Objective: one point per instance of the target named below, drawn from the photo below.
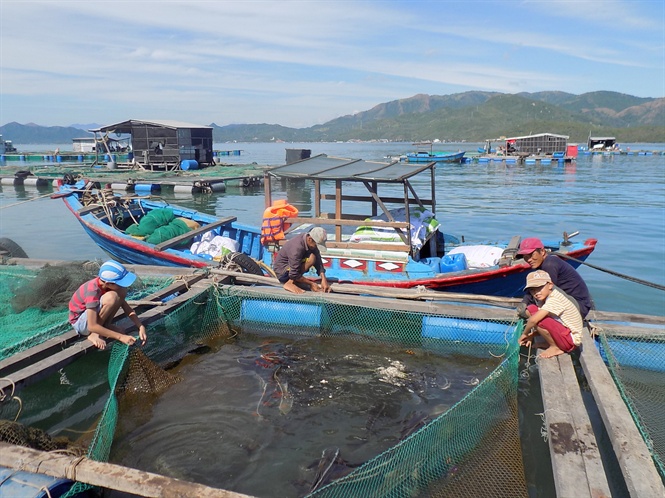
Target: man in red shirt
(94, 305)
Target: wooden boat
(439, 157)
(106, 219)
(402, 248)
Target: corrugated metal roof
(538, 135)
(124, 126)
(323, 167)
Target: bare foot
(551, 352)
(292, 287)
(98, 342)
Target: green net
(472, 449)
(637, 364)
(34, 303)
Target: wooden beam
(576, 461)
(192, 233)
(637, 466)
(105, 475)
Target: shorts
(561, 334)
(284, 277)
(81, 325)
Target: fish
(412, 422)
(330, 467)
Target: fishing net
(34, 303)
(637, 365)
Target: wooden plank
(437, 308)
(639, 471)
(23, 358)
(347, 222)
(105, 475)
(192, 233)
(576, 463)
(630, 331)
(45, 367)
(626, 317)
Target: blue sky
(300, 63)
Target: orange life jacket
(273, 226)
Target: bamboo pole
(105, 475)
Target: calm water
(619, 200)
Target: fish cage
(468, 446)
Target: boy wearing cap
(556, 318)
(297, 256)
(563, 275)
(94, 305)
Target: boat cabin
(161, 144)
(540, 144)
(601, 143)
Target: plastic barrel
(183, 189)
(218, 187)
(119, 186)
(80, 158)
(188, 164)
(35, 182)
(30, 485)
(11, 181)
(146, 188)
(453, 262)
(460, 330)
(278, 313)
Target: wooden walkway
(576, 460)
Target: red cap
(529, 245)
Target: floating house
(540, 144)
(86, 144)
(160, 144)
(601, 143)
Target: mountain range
(469, 116)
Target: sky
(301, 63)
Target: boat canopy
(323, 169)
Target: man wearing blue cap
(94, 305)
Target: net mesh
(33, 303)
(637, 365)
(472, 449)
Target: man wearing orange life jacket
(297, 256)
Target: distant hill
(34, 134)
(471, 116)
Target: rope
(29, 200)
(611, 272)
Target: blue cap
(115, 273)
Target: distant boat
(439, 157)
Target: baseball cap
(537, 279)
(115, 273)
(529, 245)
(320, 236)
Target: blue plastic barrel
(146, 188)
(29, 485)
(461, 330)
(187, 164)
(278, 313)
(58, 158)
(452, 262)
(80, 158)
